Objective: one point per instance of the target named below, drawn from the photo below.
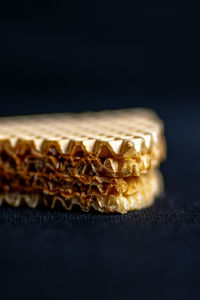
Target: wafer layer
(23, 157)
(69, 185)
(115, 134)
(129, 152)
(144, 197)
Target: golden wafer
(106, 160)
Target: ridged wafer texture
(56, 150)
(121, 203)
(82, 186)
(115, 134)
(22, 158)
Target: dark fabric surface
(148, 254)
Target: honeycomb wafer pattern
(123, 133)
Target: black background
(75, 56)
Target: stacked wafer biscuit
(106, 160)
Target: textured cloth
(146, 254)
